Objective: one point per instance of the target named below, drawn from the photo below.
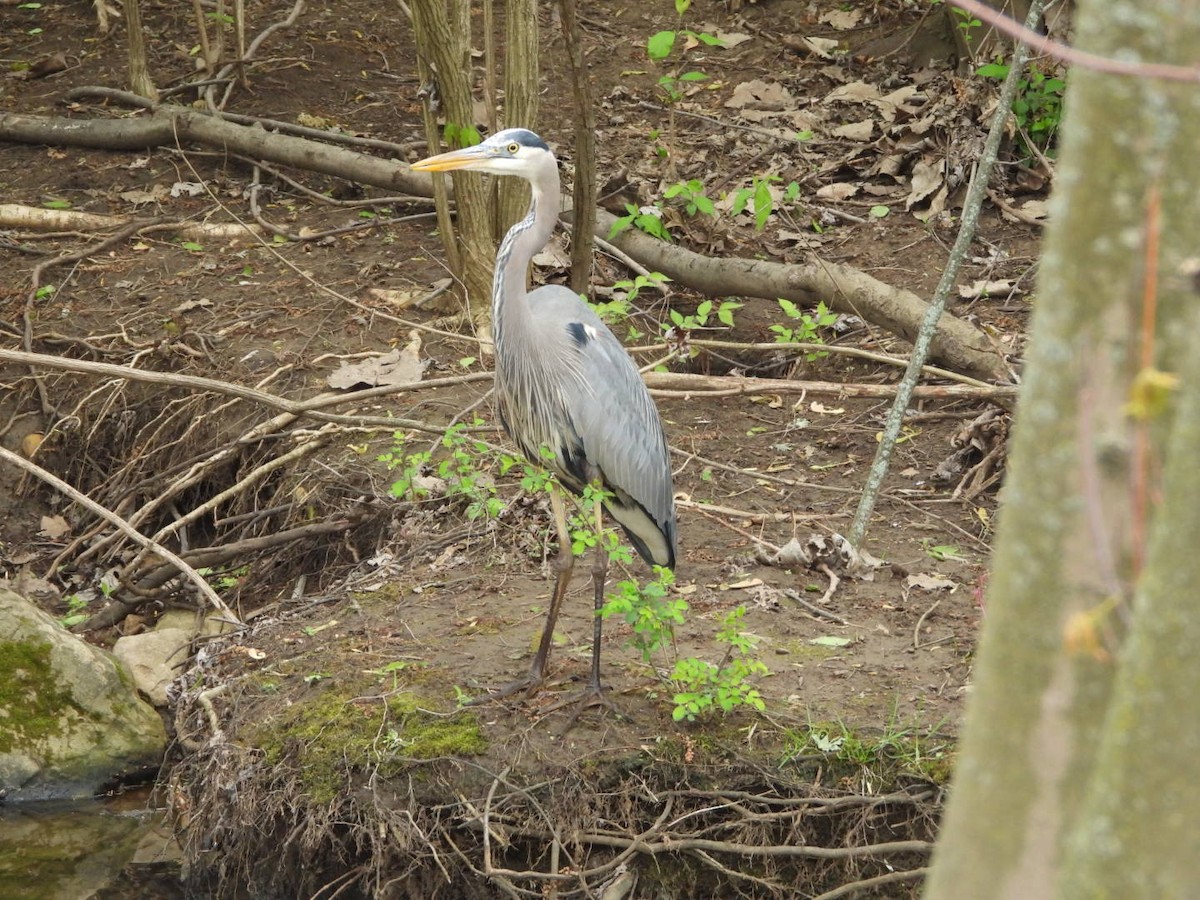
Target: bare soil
(446, 601)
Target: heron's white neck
(524, 239)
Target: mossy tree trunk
(1080, 753)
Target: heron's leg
(563, 564)
(599, 577)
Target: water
(113, 849)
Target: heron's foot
(591, 697)
(522, 686)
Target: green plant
(805, 327)
(941, 552)
(464, 471)
(691, 195)
(703, 315)
(645, 218)
(649, 610)
(1038, 107)
(759, 192)
(75, 611)
(584, 536)
(967, 24)
(702, 688)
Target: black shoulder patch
(578, 333)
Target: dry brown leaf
(729, 39)
(985, 288)
(856, 131)
(840, 190)
(854, 92)
(55, 527)
(759, 94)
(926, 178)
(842, 19)
(929, 581)
(394, 368)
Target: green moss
(891, 755)
(332, 733)
(31, 700)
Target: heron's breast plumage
(568, 385)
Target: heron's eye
(514, 147)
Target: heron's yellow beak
(455, 159)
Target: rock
(152, 657)
(71, 721)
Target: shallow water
(112, 849)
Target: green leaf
(57, 204)
(692, 76)
(992, 70)
(192, 246)
(659, 45)
(879, 212)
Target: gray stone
(70, 718)
(152, 658)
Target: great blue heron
(565, 383)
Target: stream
(117, 848)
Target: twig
(308, 408)
(814, 609)
(129, 531)
(867, 884)
(1042, 44)
(921, 346)
(916, 641)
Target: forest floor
(416, 594)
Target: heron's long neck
(509, 296)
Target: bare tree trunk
(520, 99)
(1078, 761)
(442, 29)
(140, 81)
(584, 197)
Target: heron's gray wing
(617, 423)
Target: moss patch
(339, 731)
(31, 700)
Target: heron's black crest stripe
(578, 333)
(522, 136)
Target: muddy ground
(374, 615)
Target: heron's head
(514, 151)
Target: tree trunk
(442, 31)
(520, 100)
(1078, 757)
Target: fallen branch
(32, 218)
(958, 344)
(686, 384)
